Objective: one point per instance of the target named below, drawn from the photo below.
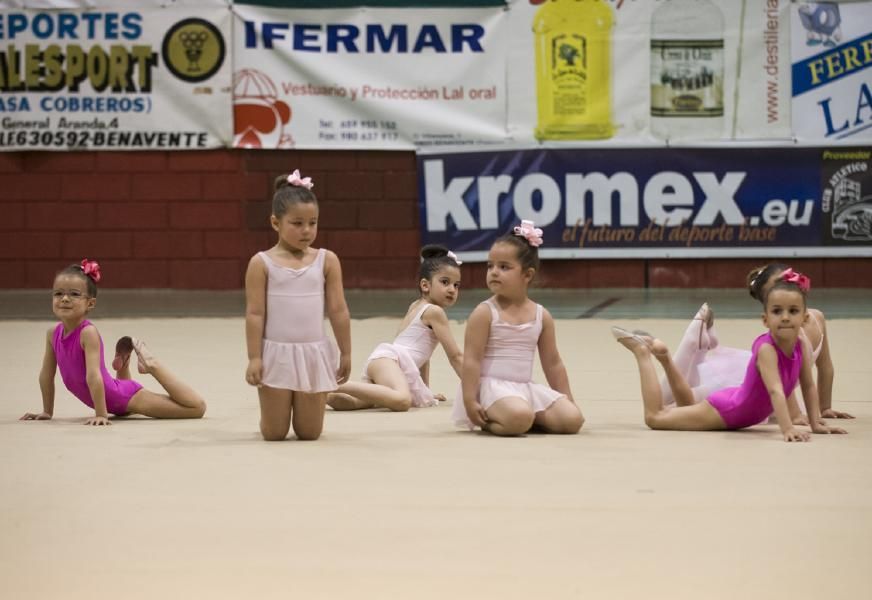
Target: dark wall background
(191, 220)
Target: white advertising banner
(648, 71)
(831, 50)
(369, 78)
(115, 79)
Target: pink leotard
(70, 358)
(750, 403)
(507, 366)
(297, 354)
(412, 347)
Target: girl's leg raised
(510, 416)
(389, 390)
(563, 416)
(275, 412)
(308, 415)
(180, 401)
(121, 362)
(691, 351)
(688, 415)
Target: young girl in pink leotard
(502, 336)
(288, 290)
(708, 366)
(75, 348)
(396, 375)
(780, 358)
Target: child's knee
(517, 421)
(402, 404)
(198, 410)
(572, 423)
(272, 433)
(307, 434)
(654, 420)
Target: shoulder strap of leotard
(495, 313)
(265, 258)
(421, 311)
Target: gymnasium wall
(192, 220)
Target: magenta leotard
(749, 403)
(70, 357)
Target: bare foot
(145, 360)
(342, 401)
(658, 348)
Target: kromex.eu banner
(368, 78)
(115, 79)
(654, 202)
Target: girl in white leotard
(396, 374)
(503, 335)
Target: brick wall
(192, 220)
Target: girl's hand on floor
(835, 414)
(821, 427)
(43, 416)
(792, 435)
(98, 420)
(800, 420)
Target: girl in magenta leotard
(780, 358)
(502, 336)
(396, 375)
(708, 366)
(288, 290)
(75, 348)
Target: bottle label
(569, 74)
(687, 78)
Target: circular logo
(193, 50)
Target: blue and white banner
(831, 50)
(621, 203)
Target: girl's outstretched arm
(90, 340)
(767, 365)
(337, 312)
(435, 318)
(255, 318)
(810, 394)
(474, 343)
(549, 355)
(46, 382)
(826, 374)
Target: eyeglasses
(73, 294)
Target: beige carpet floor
(406, 506)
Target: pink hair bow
(453, 257)
(529, 232)
(803, 281)
(92, 269)
(295, 179)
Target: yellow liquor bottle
(573, 69)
